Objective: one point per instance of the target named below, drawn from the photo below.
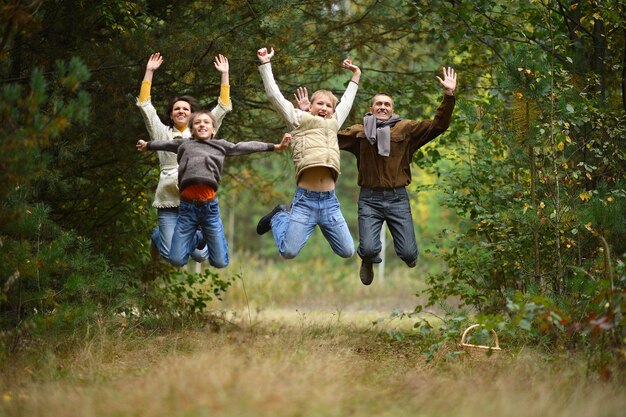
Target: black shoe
(265, 224)
(366, 273)
(411, 264)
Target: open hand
(284, 143)
(449, 80)
(347, 63)
(154, 62)
(264, 55)
(302, 98)
(221, 63)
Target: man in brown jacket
(384, 146)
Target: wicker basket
(478, 352)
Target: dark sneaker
(265, 224)
(366, 273)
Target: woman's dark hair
(193, 103)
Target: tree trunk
(533, 201)
(599, 53)
(624, 72)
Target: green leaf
(525, 324)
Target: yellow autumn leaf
(542, 205)
(585, 196)
(564, 165)
(560, 146)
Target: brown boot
(366, 273)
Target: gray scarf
(379, 131)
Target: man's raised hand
(449, 80)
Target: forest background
(521, 208)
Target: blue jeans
(392, 206)
(310, 209)
(185, 238)
(162, 235)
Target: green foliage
(539, 190)
(532, 166)
(186, 293)
(51, 279)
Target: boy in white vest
(316, 161)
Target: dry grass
(306, 347)
(321, 284)
(289, 363)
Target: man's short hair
(380, 94)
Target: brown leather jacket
(407, 136)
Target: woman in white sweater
(180, 109)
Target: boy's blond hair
(334, 100)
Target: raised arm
(423, 132)
(291, 115)
(221, 64)
(224, 105)
(154, 62)
(345, 104)
(155, 127)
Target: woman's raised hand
(221, 63)
(154, 62)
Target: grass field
(291, 346)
